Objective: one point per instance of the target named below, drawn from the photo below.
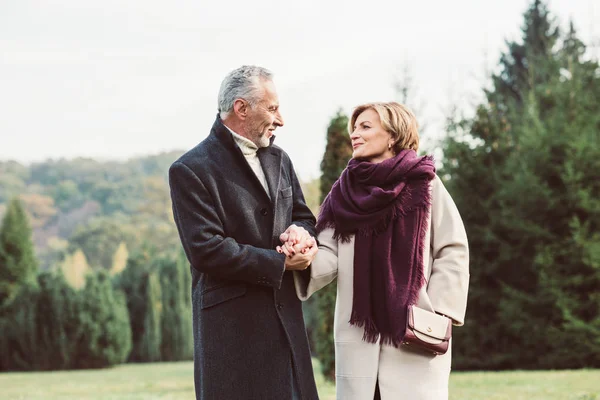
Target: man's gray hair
(241, 83)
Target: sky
(115, 79)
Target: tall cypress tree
(141, 285)
(18, 264)
(184, 266)
(337, 154)
(18, 291)
(151, 340)
(175, 321)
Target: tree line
(49, 322)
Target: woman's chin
(359, 155)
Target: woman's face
(370, 142)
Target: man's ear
(240, 107)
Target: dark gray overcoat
(249, 334)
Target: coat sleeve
(301, 214)
(202, 235)
(449, 281)
(323, 269)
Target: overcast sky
(114, 79)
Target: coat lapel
(271, 164)
(269, 160)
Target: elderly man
(233, 195)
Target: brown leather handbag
(427, 330)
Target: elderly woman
(393, 237)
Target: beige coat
(402, 373)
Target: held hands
(299, 247)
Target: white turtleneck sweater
(249, 150)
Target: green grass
(526, 385)
(174, 381)
(166, 381)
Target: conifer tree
(337, 154)
(18, 263)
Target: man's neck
(235, 126)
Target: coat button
(279, 306)
(264, 211)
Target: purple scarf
(386, 206)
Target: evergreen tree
(338, 152)
(176, 338)
(520, 173)
(151, 340)
(58, 328)
(321, 307)
(184, 266)
(18, 264)
(528, 63)
(557, 213)
(104, 321)
(142, 290)
(475, 155)
(40, 329)
(18, 326)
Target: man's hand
(299, 247)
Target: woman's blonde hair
(395, 118)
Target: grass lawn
(526, 385)
(174, 381)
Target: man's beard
(261, 140)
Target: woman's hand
(290, 249)
(295, 240)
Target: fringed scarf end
(371, 334)
(423, 229)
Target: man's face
(264, 117)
